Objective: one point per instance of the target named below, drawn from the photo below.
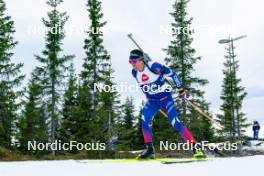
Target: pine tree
(10, 79)
(96, 106)
(32, 125)
(233, 120)
(53, 64)
(180, 57)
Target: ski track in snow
(243, 166)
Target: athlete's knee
(146, 117)
(174, 120)
(171, 111)
(145, 121)
(177, 125)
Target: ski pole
(195, 107)
(198, 109)
(147, 58)
(130, 36)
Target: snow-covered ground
(243, 166)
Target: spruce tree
(32, 125)
(83, 118)
(232, 118)
(181, 58)
(128, 110)
(53, 64)
(126, 128)
(10, 79)
(138, 139)
(69, 110)
(96, 107)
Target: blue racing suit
(152, 82)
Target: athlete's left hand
(184, 94)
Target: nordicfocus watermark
(59, 146)
(57, 29)
(204, 145)
(133, 88)
(168, 29)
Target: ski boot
(148, 152)
(197, 152)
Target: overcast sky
(213, 20)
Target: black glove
(184, 94)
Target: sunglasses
(133, 61)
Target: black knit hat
(136, 54)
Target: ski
(160, 160)
(189, 160)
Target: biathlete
(151, 78)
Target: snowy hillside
(218, 167)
